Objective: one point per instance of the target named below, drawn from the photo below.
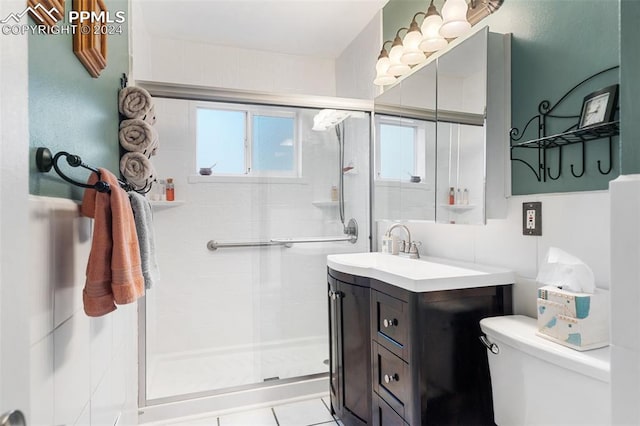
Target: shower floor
(184, 373)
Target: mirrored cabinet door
(461, 105)
(405, 149)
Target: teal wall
(555, 45)
(71, 111)
(630, 96)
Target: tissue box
(577, 320)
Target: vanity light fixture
(396, 67)
(434, 34)
(382, 66)
(454, 17)
(412, 53)
(432, 40)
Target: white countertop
(420, 275)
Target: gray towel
(143, 218)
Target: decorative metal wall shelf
(571, 136)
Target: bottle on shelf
(452, 196)
(458, 196)
(334, 193)
(465, 196)
(170, 190)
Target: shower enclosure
(241, 304)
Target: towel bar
(286, 242)
(45, 161)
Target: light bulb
(396, 53)
(454, 16)
(432, 41)
(398, 69)
(383, 79)
(412, 56)
(412, 39)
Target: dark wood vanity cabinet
(422, 364)
(428, 363)
(349, 347)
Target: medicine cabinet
(459, 105)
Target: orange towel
(114, 273)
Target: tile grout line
(274, 416)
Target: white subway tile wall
(83, 370)
(576, 222)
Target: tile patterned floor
(310, 412)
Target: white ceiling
(321, 28)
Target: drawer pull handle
(334, 295)
(391, 378)
(390, 323)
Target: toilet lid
(519, 332)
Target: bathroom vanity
(404, 347)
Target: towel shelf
(286, 242)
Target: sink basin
(420, 275)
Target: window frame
(419, 149)
(250, 111)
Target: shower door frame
(177, 405)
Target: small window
(400, 149)
(221, 139)
(247, 140)
(273, 148)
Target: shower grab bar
(313, 239)
(287, 242)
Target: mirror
(461, 102)
(430, 139)
(405, 149)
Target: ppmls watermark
(46, 22)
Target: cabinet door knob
(390, 322)
(331, 293)
(391, 378)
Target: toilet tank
(538, 382)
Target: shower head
(328, 118)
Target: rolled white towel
(138, 136)
(135, 102)
(137, 169)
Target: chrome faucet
(407, 248)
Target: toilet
(538, 382)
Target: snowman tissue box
(577, 320)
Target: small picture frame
(90, 38)
(599, 107)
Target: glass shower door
(241, 317)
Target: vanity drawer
(384, 415)
(391, 378)
(391, 323)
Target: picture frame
(90, 37)
(599, 107)
(46, 12)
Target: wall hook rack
(45, 161)
(572, 135)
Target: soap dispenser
(387, 244)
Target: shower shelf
(324, 204)
(458, 207)
(166, 204)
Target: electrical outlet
(532, 218)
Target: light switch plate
(532, 218)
